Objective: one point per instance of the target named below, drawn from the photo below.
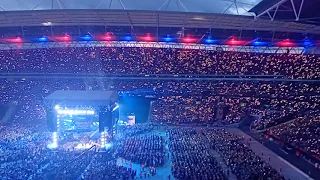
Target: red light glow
(65, 38)
(286, 43)
(188, 40)
(147, 38)
(14, 40)
(108, 37)
(236, 42)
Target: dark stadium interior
(160, 90)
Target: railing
(82, 44)
(299, 151)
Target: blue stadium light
(167, 39)
(127, 38)
(257, 42)
(42, 39)
(210, 40)
(307, 43)
(86, 37)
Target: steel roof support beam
(110, 4)
(59, 4)
(167, 1)
(102, 1)
(270, 8)
(294, 10)
(37, 5)
(184, 7)
(99, 4)
(120, 1)
(297, 14)
(235, 3)
(302, 2)
(228, 8)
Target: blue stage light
(76, 112)
(115, 108)
(56, 107)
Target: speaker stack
(51, 121)
(105, 120)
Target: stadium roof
(225, 17)
(148, 19)
(236, 7)
(89, 98)
(303, 11)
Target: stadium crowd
(302, 132)
(145, 149)
(141, 60)
(104, 166)
(192, 158)
(23, 152)
(244, 163)
(180, 101)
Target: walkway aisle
(288, 170)
(162, 172)
(223, 165)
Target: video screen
(83, 123)
(127, 119)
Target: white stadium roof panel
(239, 7)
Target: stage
(81, 119)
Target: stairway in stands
(6, 112)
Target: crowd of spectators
(184, 101)
(104, 166)
(24, 155)
(244, 163)
(192, 157)
(145, 149)
(130, 131)
(23, 152)
(302, 132)
(141, 60)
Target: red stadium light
(286, 43)
(147, 38)
(108, 37)
(236, 42)
(188, 40)
(14, 40)
(65, 38)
